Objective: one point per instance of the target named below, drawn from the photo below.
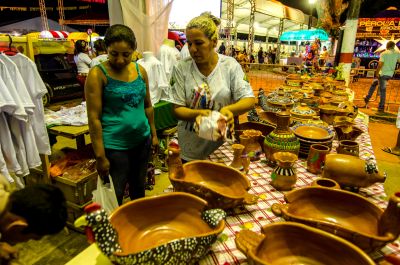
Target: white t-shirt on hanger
(169, 57)
(227, 85)
(37, 89)
(157, 79)
(7, 147)
(7, 102)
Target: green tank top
(124, 120)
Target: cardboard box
(77, 191)
(75, 211)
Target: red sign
(378, 27)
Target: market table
(253, 217)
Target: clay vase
(316, 158)
(281, 139)
(237, 156)
(284, 177)
(351, 171)
(245, 163)
(348, 147)
(252, 146)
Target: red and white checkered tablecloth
(253, 217)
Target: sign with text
(378, 27)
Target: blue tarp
(304, 35)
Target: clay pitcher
(316, 158)
(252, 147)
(237, 156)
(175, 167)
(351, 171)
(348, 147)
(284, 177)
(281, 139)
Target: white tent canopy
(32, 25)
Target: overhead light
(312, 1)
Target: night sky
(368, 8)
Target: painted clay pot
(284, 176)
(316, 158)
(348, 147)
(174, 228)
(221, 186)
(343, 213)
(293, 243)
(281, 139)
(251, 143)
(237, 156)
(351, 171)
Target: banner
(370, 28)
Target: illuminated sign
(378, 27)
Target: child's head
(33, 212)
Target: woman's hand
(229, 117)
(154, 144)
(204, 112)
(103, 167)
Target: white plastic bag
(212, 127)
(105, 195)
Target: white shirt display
(98, 60)
(82, 61)
(169, 57)
(158, 83)
(37, 89)
(225, 85)
(185, 52)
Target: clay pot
(316, 158)
(265, 129)
(302, 112)
(293, 243)
(252, 147)
(167, 229)
(348, 147)
(221, 186)
(351, 171)
(327, 113)
(284, 176)
(237, 156)
(281, 139)
(326, 183)
(245, 163)
(343, 213)
(348, 132)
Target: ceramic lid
(303, 110)
(280, 98)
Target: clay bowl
(344, 214)
(221, 186)
(168, 229)
(312, 132)
(347, 132)
(293, 243)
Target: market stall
(253, 217)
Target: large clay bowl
(293, 243)
(221, 186)
(312, 132)
(164, 229)
(342, 213)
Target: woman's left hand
(154, 144)
(229, 117)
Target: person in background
(120, 114)
(384, 72)
(100, 51)
(29, 213)
(260, 55)
(82, 61)
(205, 82)
(222, 48)
(323, 57)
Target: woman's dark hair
(100, 46)
(80, 46)
(43, 206)
(118, 33)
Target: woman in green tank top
(121, 117)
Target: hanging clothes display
(158, 83)
(169, 56)
(23, 134)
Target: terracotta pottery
(221, 186)
(281, 139)
(327, 113)
(343, 213)
(348, 147)
(265, 129)
(327, 183)
(293, 243)
(268, 117)
(348, 132)
(284, 176)
(316, 120)
(313, 132)
(280, 100)
(167, 229)
(251, 143)
(351, 171)
(316, 158)
(237, 156)
(302, 112)
(245, 163)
